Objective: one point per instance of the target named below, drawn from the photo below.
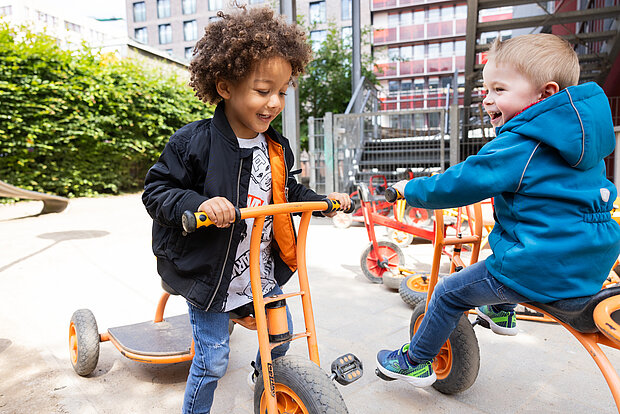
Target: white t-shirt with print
(259, 193)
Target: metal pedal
(347, 369)
(482, 322)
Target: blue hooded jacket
(554, 237)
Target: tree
(326, 86)
(78, 123)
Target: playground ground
(97, 255)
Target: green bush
(78, 123)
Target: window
(393, 86)
(461, 11)
(6, 10)
(189, 51)
(347, 11)
(317, 37)
(257, 1)
(215, 5)
(189, 6)
(406, 19)
(214, 19)
(418, 52)
(141, 35)
(165, 34)
(447, 13)
(446, 49)
(169, 52)
(406, 53)
(393, 54)
(405, 85)
(459, 48)
(418, 17)
(393, 20)
(139, 12)
(190, 30)
(163, 8)
(347, 36)
(73, 27)
(317, 12)
(433, 14)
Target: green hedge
(77, 123)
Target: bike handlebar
(392, 194)
(194, 220)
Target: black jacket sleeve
(168, 185)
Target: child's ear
(223, 88)
(549, 89)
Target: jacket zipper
(232, 229)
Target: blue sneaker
(395, 364)
(501, 323)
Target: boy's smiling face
(253, 102)
(508, 92)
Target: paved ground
(97, 255)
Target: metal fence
(348, 148)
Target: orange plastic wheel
(301, 387)
(458, 361)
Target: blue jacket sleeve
(498, 167)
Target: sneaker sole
(416, 382)
(500, 330)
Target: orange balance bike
(289, 384)
(592, 320)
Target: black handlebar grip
(351, 208)
(392, 194)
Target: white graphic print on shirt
(259, 193)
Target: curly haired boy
(244, 63)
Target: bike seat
(167, 288)
(577, 312)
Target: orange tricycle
(289, 384)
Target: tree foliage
(79, 123)
(326, 86)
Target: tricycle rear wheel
(388, 251)
(301, 387)
(83, 342)
(458, 361)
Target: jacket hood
(576, 121)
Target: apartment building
(70, 29)
(175, 25)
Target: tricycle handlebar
(193, 220)
(392, 194)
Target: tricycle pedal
(383, 376)
(347, 369)
(482, 322)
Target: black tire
(392, 281)
(311, 387)
(458, 362)
(413, 289)
(83, 342)
(371, 269)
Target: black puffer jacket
(204, 160)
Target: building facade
(176, 25)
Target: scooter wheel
(389, 252)
(458, 361)
(300, 387)
(413, 289)
(83, 342)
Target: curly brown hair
(232, 46)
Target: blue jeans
(457, 293)
(211, 345)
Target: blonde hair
(539, 57)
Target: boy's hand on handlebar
(344, 199)
(219, 210)
(400, 186)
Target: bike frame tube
(259, 214)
